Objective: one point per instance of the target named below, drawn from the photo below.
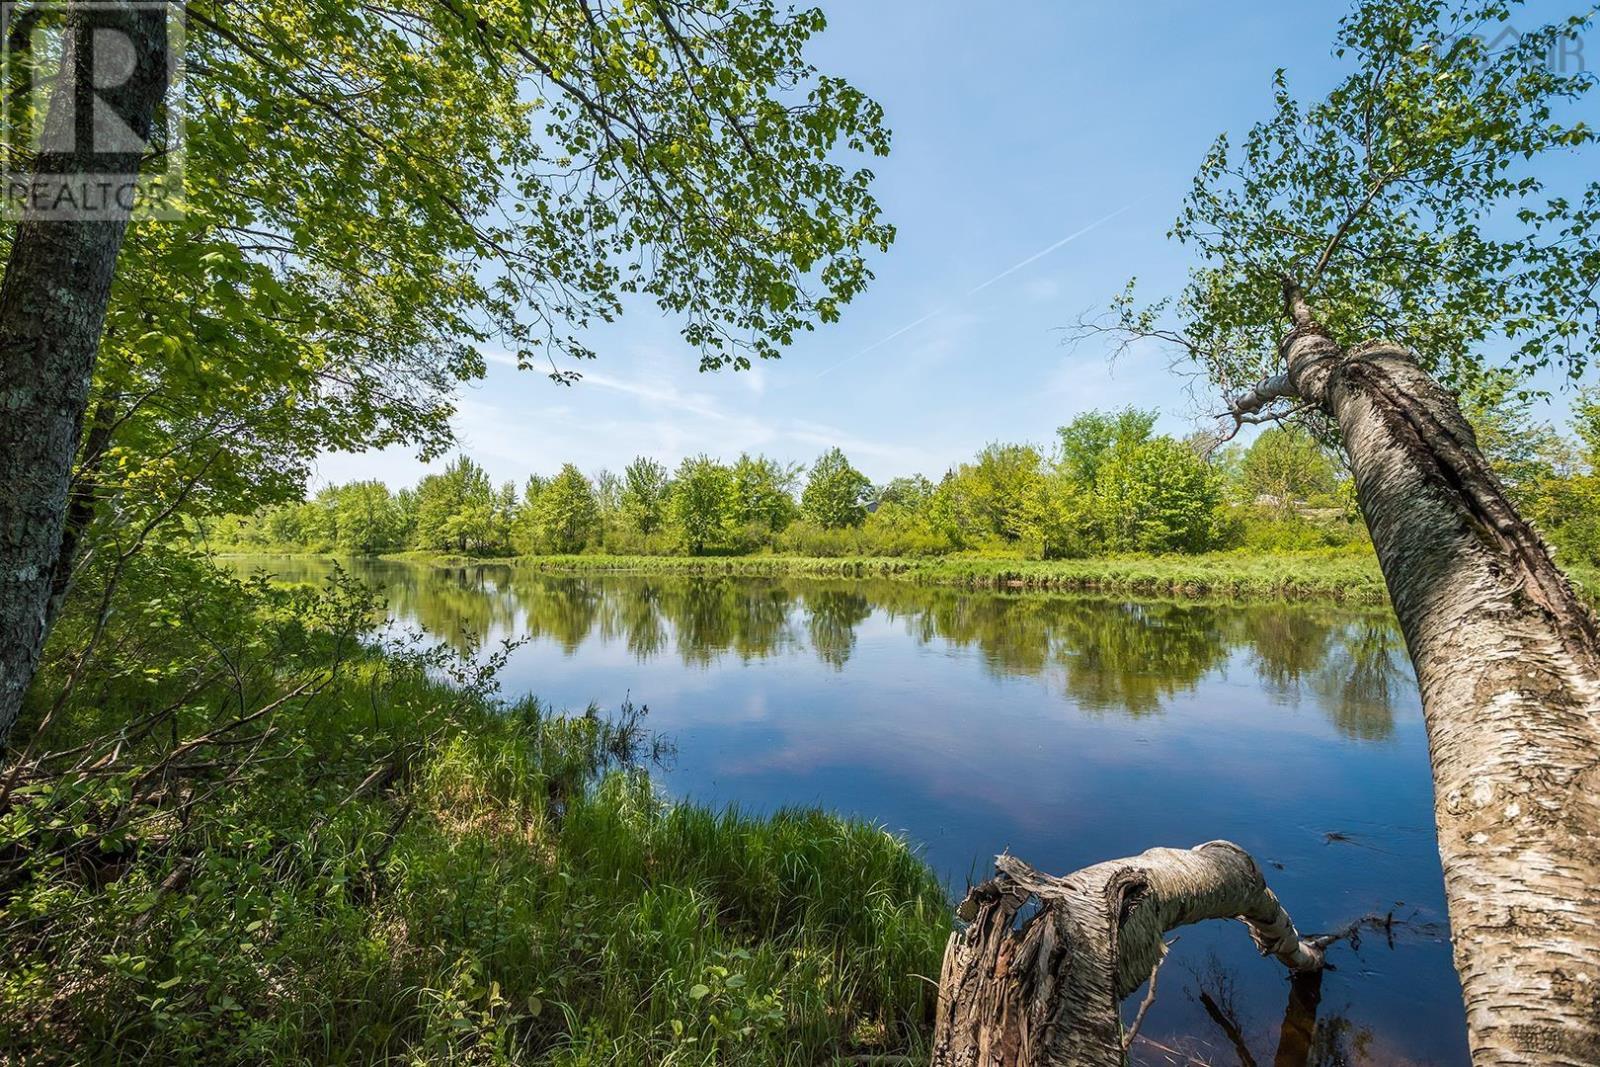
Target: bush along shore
(1338, 576)
(284, 846)
(1344, 577)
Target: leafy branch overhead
(1406, 204)
(561, 156)
(377, 192)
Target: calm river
(1063, 728)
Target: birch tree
(1358, 257)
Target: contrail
(1068, 239)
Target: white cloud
(899, 458)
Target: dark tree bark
(83, 500)
(52, 310)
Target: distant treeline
(1109, 484)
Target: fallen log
(1043, 988)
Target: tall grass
(1342, 576)
(400, 869)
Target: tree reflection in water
(1108, 656)
(1307, 1034)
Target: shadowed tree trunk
(52, 309)
(1046, 990)
(82, 501)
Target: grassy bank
(1347, 578)
(1340, 576)
(319, 855)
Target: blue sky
(1016, 127)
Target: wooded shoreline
(1342, 577)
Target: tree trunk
(1048, 991)
(52, 308)
(83, 498)
(1506, 659)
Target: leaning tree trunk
(52, 309)
(1047, 991)
(1506, 659)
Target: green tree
(455, 509)
(836, 493)
(1158, 496)
(700, 506)
(911, 493)
(282, 525)
(567, 514)
(320, 517)
(608, 498)
(763, 494)
(1561, 489)
(1586, 424)
(1286, 468)
(1006, 482)
(644, 495)
(365, 517)
(998, 495)
(1083, 443)
(405, 517)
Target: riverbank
(1290, 576)
(1343, 577)
(357, 862)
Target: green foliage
(911, 493)
(763, 495)
(1287, 468)
(1555, 482)
(1146, 493)
(700, 505)
(1158, 496)
(1586, 424)
(836, 493)
(467, 881)
(365, 517)
(1408, 203)
(459, 510)
(1086, 441)
(644, 495)
(1113, 486)
(996, 497)
(566, 514)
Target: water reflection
(1106, 657)
(1066, 729)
